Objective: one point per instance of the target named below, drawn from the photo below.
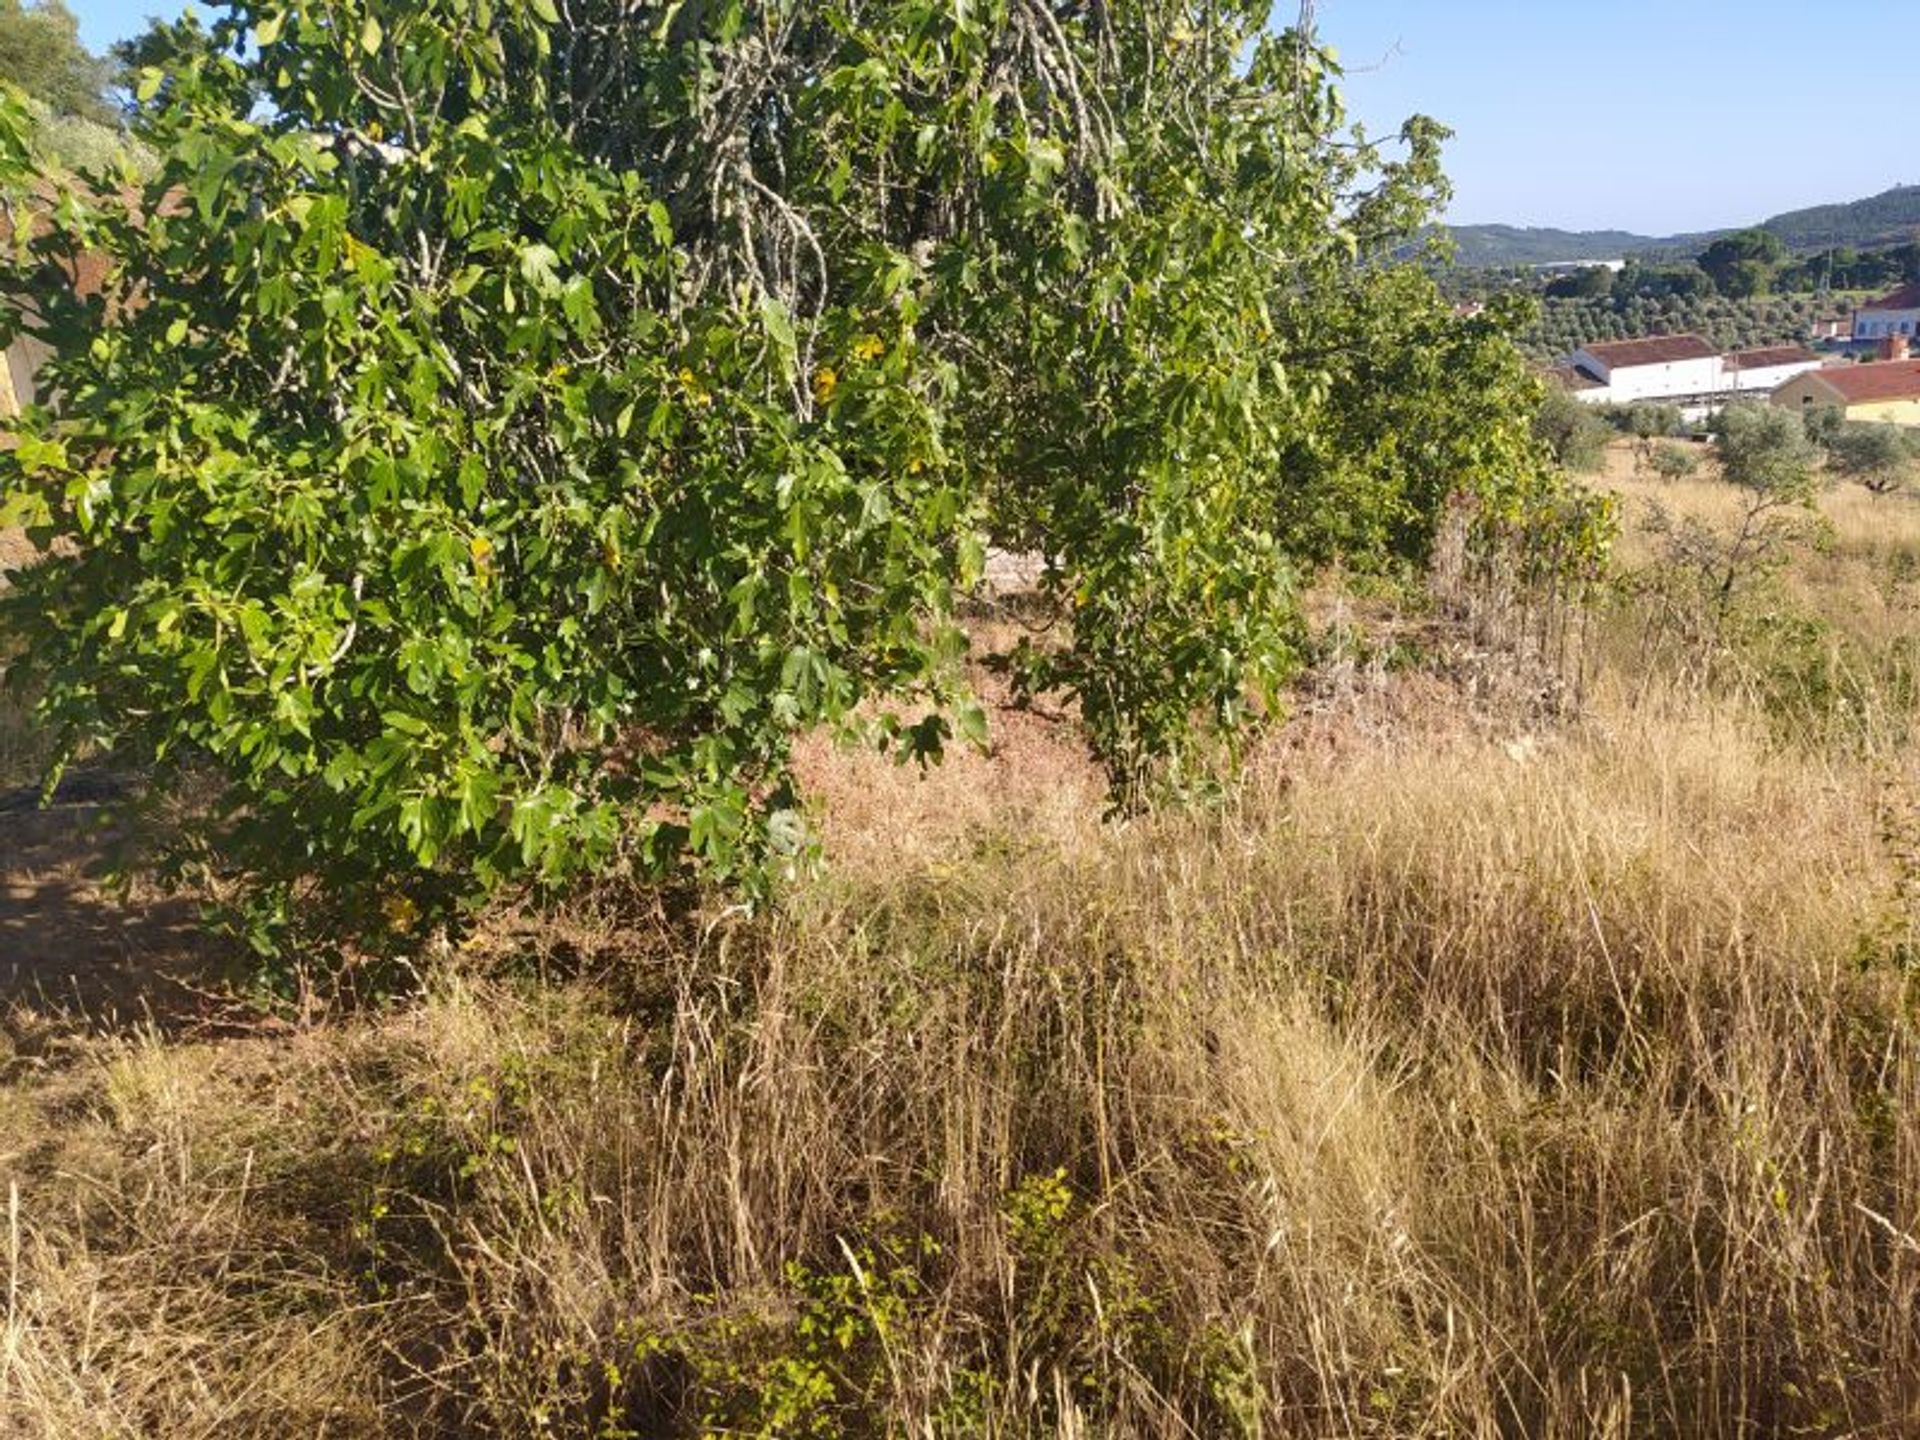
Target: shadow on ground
(75, 954)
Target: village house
(1659, 368)
(1572, 379)
(1680, 369)
(1883, 390)
(1897, 314)
(1761, 372)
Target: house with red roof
(1660, 367)
(1886, 390)
(1762, 371)
(1678, 369)
(1892, 315)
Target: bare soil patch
(77, 951)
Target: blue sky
(1655, 116)
(104, 21)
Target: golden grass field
(1474, 1068)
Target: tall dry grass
(1471, 1090)
(1823, 632)
(1457, 1075)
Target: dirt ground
(75, 952)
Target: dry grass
(1824, 637)
(1860, 524)
(1449, 1078)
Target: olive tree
(1706, 568)
(1674, 462)
(1572, 433)
(1880, 457)
(505, 425)
(1648, 424)
(1765, 451)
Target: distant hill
(1526, 245)
(1882, 219)
(1888, 218)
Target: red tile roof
(1885, 380)
(1907, 297)
(1571, 377)
(1771, 356)
(1659, 350)
(88, 271)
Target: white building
(1764, 371)
(1895, 314)
(1678, 369)
(1574, 267)
(1664, 367)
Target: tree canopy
(1766, 451)
(1882, 457)
(507, 427)
(1743, 264)
(41, 53)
